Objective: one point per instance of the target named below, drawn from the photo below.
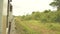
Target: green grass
(36, 27)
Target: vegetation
(47, 22)
(46, 16)
(56, 3)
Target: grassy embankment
(36, 27)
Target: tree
(56, 4)
(47, 11)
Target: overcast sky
(23, 7)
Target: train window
(10, 0)
(10, 7)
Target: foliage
(47, 22)
(46, 16)
(56, 3)
(36, 27)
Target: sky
(23, 7)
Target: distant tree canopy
(45, 16)
(47, 11)
(56, 3)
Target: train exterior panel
(7, 25)
(3, 16)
